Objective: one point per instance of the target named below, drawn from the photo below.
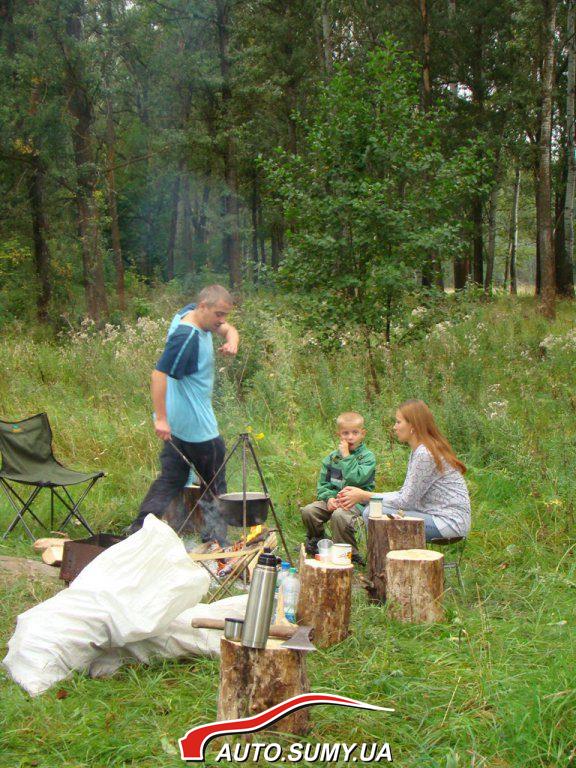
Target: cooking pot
(231, 508)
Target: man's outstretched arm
(158, 388)
(231, 337)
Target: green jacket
(358, 469)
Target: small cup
(324, 549)
(375, 508)
(233, 629)
(341, 554)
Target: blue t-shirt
(188, 361)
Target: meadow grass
(493, 685)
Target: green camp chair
(27, 459)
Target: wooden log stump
(325, 601)
(385, 535)
(252, 680)
(177, 513)
(415, 585)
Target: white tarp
(131, 592)
(179, 640)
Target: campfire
(237, 561)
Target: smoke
(214, 527)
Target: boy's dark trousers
(207, 458)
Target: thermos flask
(260, 603)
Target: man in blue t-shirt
(182, 385)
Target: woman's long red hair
(420, 418)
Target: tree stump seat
(253, 680)
(325, 601)
(385, 535)
(415, 585)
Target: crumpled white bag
(130, 592)
(179, 640)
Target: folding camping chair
(27, 459)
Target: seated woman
(434, 488)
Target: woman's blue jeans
(430, 528)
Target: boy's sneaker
(311, 546)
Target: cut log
(53, 555)
(41, 544)
(325, 601)
(252, 680)
(415, 585)
(388, 535)
(179, 516)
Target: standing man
(182, 385)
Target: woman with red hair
(434, 488)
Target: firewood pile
(237, 561)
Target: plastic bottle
(284, 570)
(291, 590)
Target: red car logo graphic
(193, 744)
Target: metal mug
(233, 629)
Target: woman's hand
(350, 496)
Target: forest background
(388, 189)
(358, 144)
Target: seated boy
(351, 464)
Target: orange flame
(255, 531)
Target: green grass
(492, 686)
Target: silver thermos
(260, 603)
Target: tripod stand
(244, 443)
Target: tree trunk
(461, 268)
(453, 85)
(432, 270)
(36, 196)
(325, 601)
(40, 233)
(277, 243)
(386, 534)
(254, 216)
(187, 236)
(513, 243)
(174, 202)
(261, 232)
(426, 78)
(112, 205)
(327, 52)
(231, 239)
(415, 579)
(544, 165)
(558, 241)
(565, 282)
(253, 680)
(478, 243)
(111, 160)
(491, 255)
(81, 109)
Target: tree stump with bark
(415, 585)
(179, 516)
(325, 601)
(385, 535)
(252, 680)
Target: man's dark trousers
(207, 458)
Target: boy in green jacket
(351, 464)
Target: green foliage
(371, 193)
